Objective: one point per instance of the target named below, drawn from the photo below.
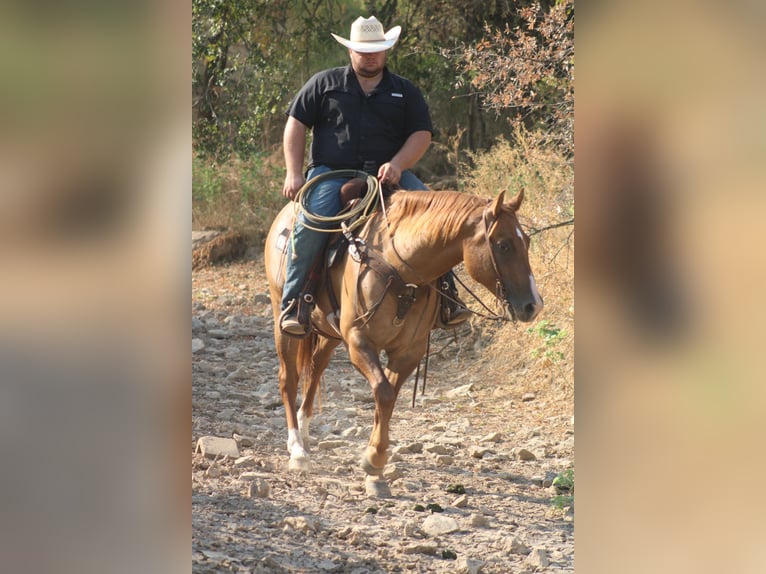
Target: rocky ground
(470, 472)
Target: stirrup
(295, 319)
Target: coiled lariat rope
(333, 223)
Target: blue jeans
(307, 244)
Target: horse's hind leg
(319, 360)
(288, 349)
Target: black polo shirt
(351, 128)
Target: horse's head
(497, 257)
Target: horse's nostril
(529, 309)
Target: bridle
(500, 290)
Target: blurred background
(94, 223)
(107, 160)
(669, 375)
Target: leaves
(529, 68)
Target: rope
(332, 224)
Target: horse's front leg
(366, 359)
(385, 385)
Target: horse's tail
(303, 360)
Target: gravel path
(470, 470)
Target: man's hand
(293, 184)
(389, 173)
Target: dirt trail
(483, 451)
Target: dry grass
(240, 195)
(536, 357)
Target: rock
(197, 345)
(460, 391)
(245, 462)
(449, 439)
(480, 452)
(243, 441)
(479, 520)
(259, 488)
(213, 471)
(412, 485)
(526, 455)
(444, 460)
(492, 437)
(411, 529)
(231, 352)
(301, 524)
(197, 325)
(460, 501)
(538, 558)
(437, 524)
(350, 432)
(225, 415)
(211, 447)
(261, 299)
(438, 449)
(429, 549)
(239, 374)
(526, 397)
(515, 546)
(219, 333)
(465, 565)
(392, 472)
(367, 519)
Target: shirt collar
(353, 83)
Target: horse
(388, 301)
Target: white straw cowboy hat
(367, 36)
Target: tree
(528, 69)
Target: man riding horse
(362, 117)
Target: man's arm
(294, 144)
(412, 150)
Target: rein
(500, 290)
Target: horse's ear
(516, 201)
(498, 204)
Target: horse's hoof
(370, 469)
(299, 464)
(376, 488)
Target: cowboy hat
(367, 36)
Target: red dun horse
(421, 236)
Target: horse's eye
(504, 245)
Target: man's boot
(452, 312)
(295, 319)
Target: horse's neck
(421, 255)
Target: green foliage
(239, 74)
(449, 554)
(551, 336)
(564, 485)
(237, 194)
(249, 57)
(456, 488)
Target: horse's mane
(430, 214)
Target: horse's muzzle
(526, 311)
